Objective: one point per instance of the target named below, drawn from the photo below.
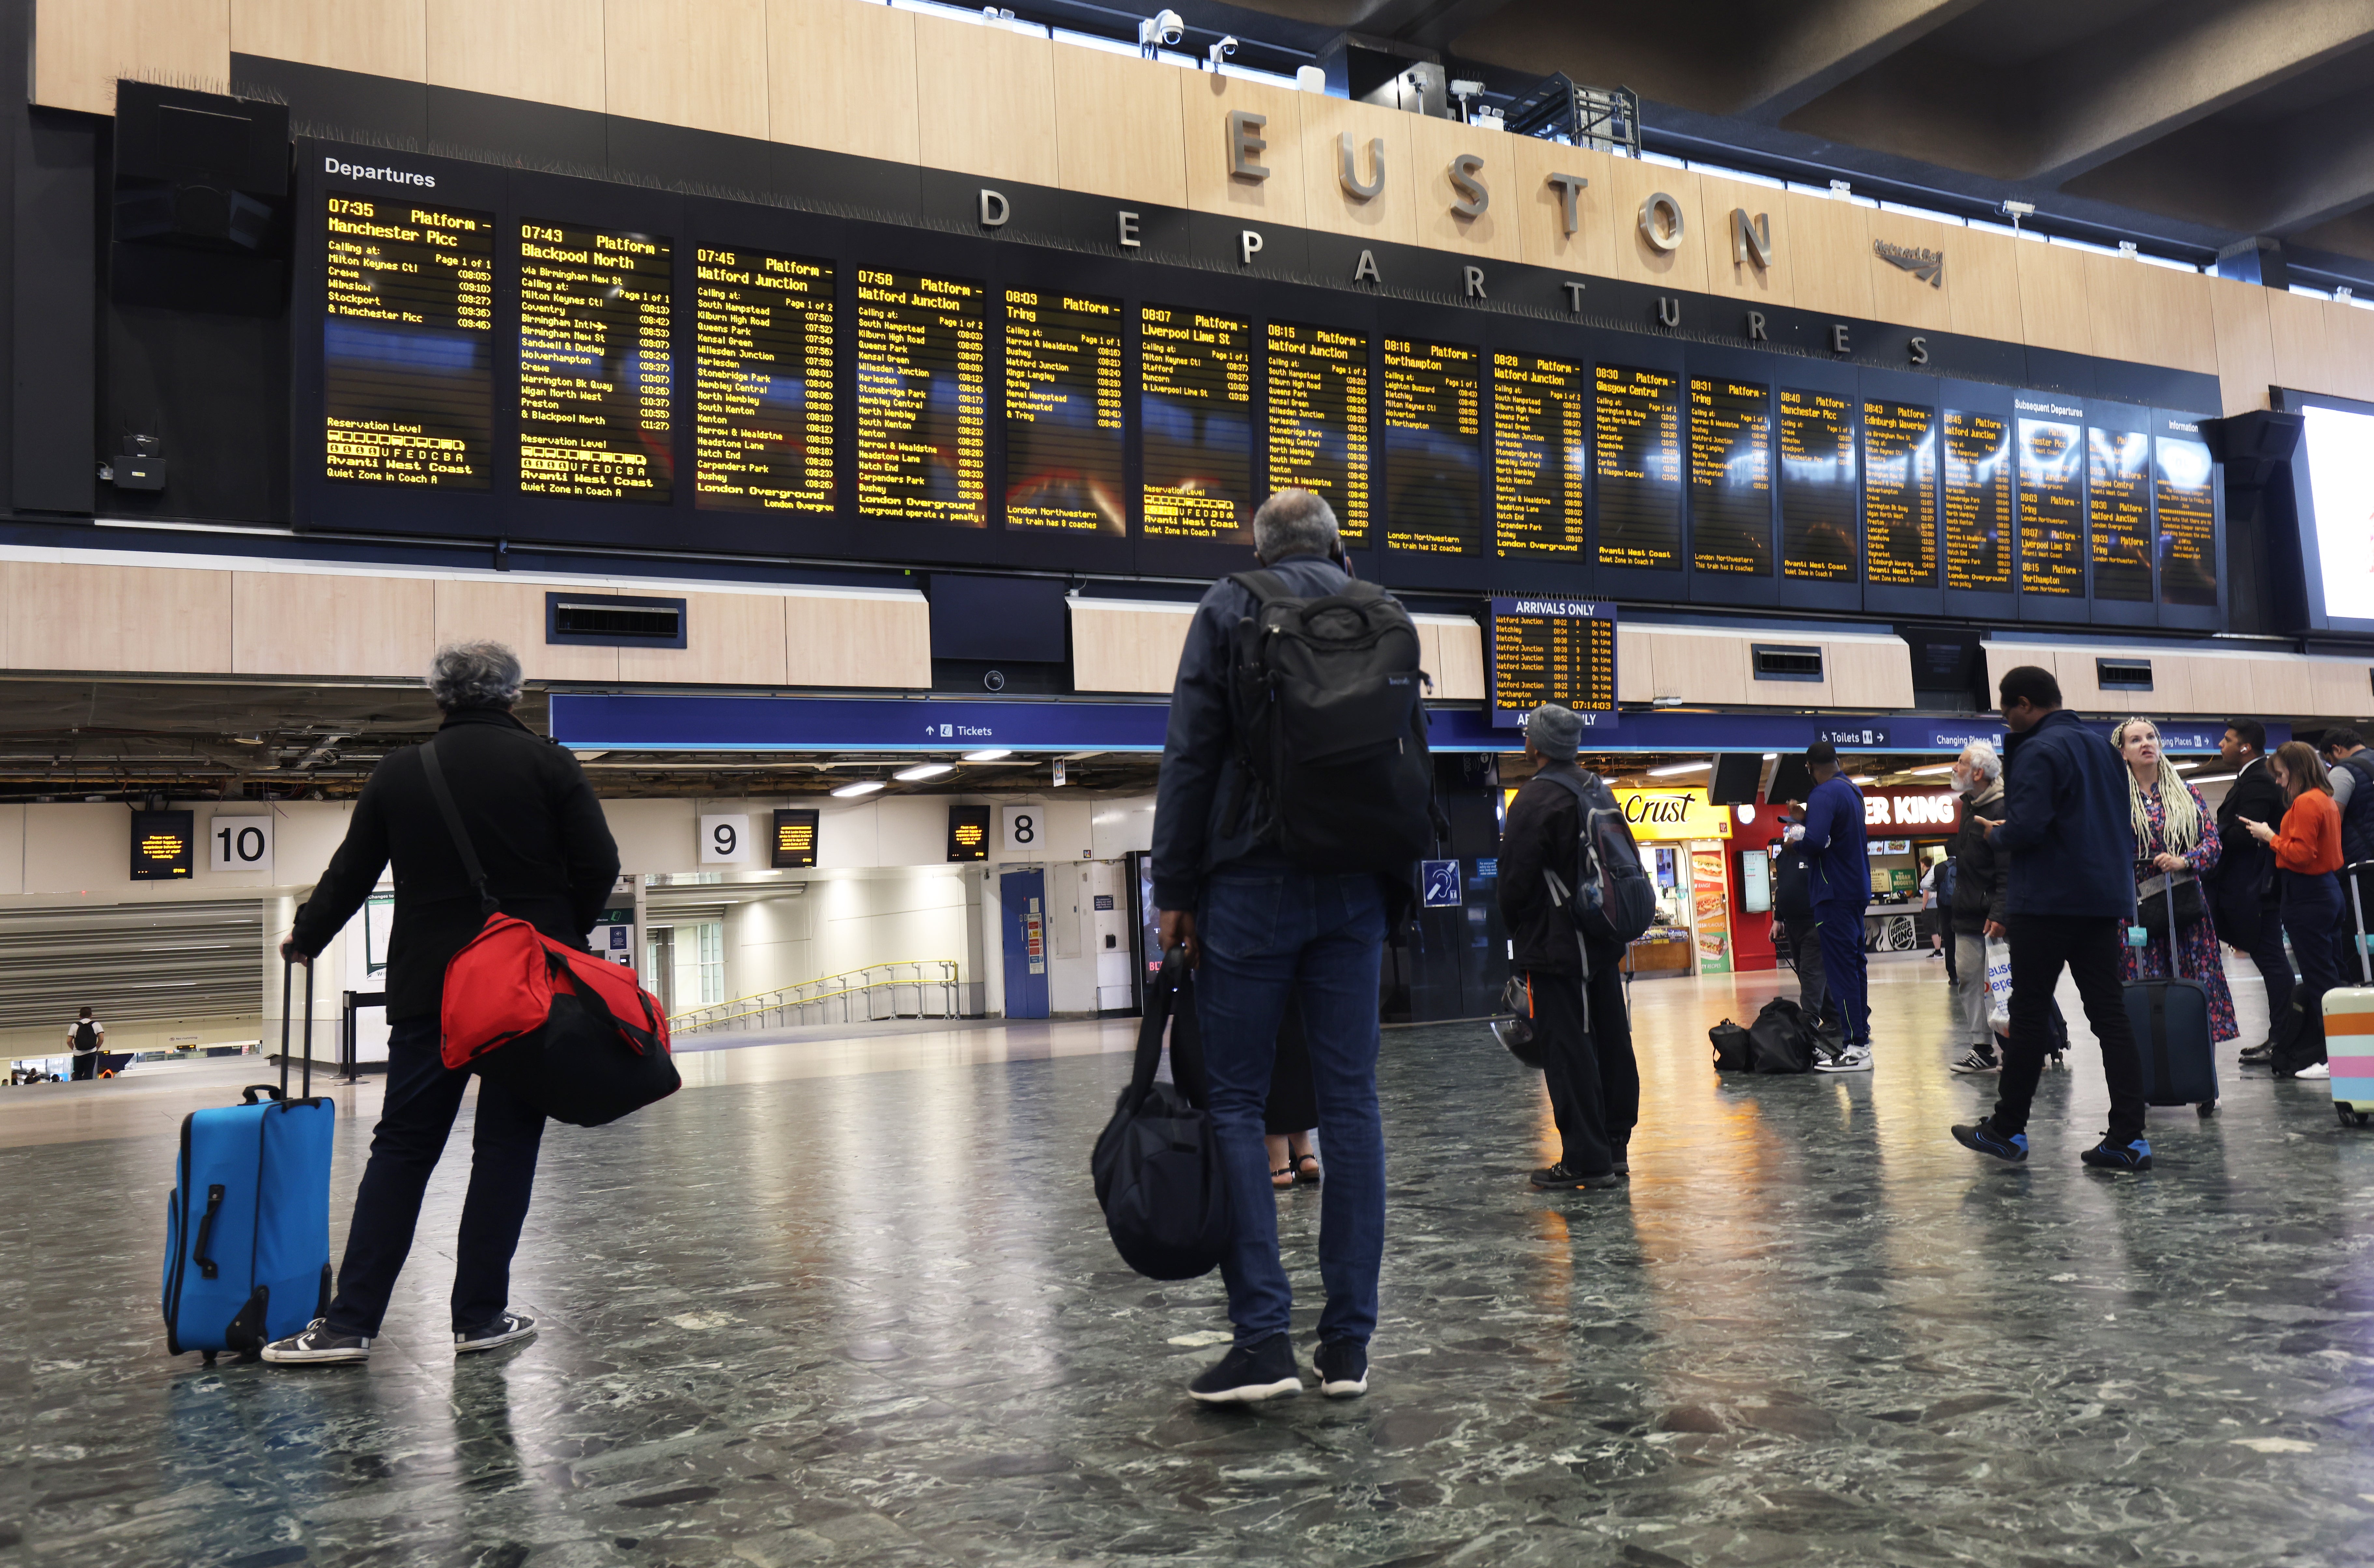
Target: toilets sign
(1911, 807)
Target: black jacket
(1981, 879)
(2357, 817)
(1544, 833)
(2245, 874)
(539, 833)
(2067, 827)
(1793, 883)
(1200, 819)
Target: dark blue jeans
(1266, 930)
(1843, 970)
(423, 1095)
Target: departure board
(762, 375)
(1539, 407)
(795, 848)
(1560, 650)
(1195, 415)
(1434, 448)
(1817, 487)
(1900, 494)
(1978, 501)
(2051, 509)
(1319, 420)
(1638, 460)
(923, 398)
(1731, 477)
(408, 343)
(597, 372)
(2187, 522)
(2117, 512)
(1062, 413)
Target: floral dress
(2196, 944)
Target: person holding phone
(2307, 854)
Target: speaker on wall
(199, 213)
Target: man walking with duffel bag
(549, 861)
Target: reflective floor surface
(852, 1303)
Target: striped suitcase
(2349, 1022)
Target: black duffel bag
(1731, 1047)
(1156, 1164)
(2159, 894)
(1779, 1041)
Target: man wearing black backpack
(84, 1037)
(1294, 802)
(1575, 986)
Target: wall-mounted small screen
(162, 848)
(969, 833)
(1552, 650)
(795, 845)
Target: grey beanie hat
(1554, 730)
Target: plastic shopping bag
(1999, 985)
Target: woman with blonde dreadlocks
(2174, 832)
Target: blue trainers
(2109, 1157)
(1984, 1137)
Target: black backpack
(1612, 901)
(85, 1039)
(1156, 1164)
(1327, 703)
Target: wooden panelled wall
(1130, 645)
(67, 613)
(987, 102)
(2204, 686)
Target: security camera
(1220, 52)
(2019, 209)
(1161, 30)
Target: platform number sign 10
(725, 840)
(1026, 831)
(239, 844)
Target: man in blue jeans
(1257, 928)
(1833, 837)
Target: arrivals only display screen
(1556, 650)
(573, 362)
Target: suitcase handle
(247, 1096)
(288, 984)
(206, 1264)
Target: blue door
(1023, 896)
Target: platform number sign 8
(240, 844)
(725, 840)
(1026, 830)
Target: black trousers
(423, 1097)
(1593, 1079)
(2087, 946)
(2275, 966)
(1804, 940)
(86, 1067)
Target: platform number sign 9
(725, 840)
(1026, 831)
(239, 844)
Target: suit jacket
(2242, 888)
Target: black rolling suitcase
(2171, 1022)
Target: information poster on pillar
(1711, 899)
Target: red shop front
(1904, 827)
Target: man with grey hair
(548, 858)
(1980, 877)
(1259, 928)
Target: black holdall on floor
(1779, 1041)
(1157, 1166)
(1731, 1047)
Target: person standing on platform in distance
(2174, 833)
(85, 1037)
(2307, 854)
(1576, 986)
(1833, 836)
(1256, 926)
(1793, 905)
(2242, 900)
(1978, 903)
(2065, 826)
(550, 859)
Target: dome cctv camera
(1163, 29)
(1220, 52)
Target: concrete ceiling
(2195, 122)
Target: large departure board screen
(2183, 485)
(1319, 420)
(1560, 650)
(2117, 512)
(1195, 408)
(1731, 477)
(1900, 497)
(1062, 413)
(1539, 409)
(596, 366)
(1817, 487)
(1978, 501)
(407, 341)
(762, 374)
(923, 398)
(2051, 509)
(1434, 448)
(1638, 460)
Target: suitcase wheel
(2351, 1117)
(2206, 1109)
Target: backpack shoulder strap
(1265, 586)
(452, 816)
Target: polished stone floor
(853, 1303)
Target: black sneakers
(319, 1345)
(1559, 1178)
(1343, 1368)
(1250, 1374)
(2109, 1157)
(507, 1329)
(1981, 1137)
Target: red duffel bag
(569, 1033)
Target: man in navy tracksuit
(2067, 830)
(1833, 834)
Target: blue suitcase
(247, 1230)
